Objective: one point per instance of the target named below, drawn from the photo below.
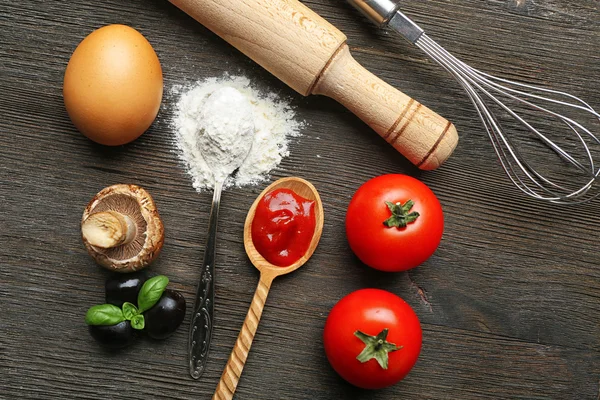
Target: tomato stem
(401, 215)
(376, 347)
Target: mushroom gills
(124, 225)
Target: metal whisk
(486, 92)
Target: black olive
(121, 288)
(163, 319)
(113, 336)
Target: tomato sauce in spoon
(283, 226)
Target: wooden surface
(509, 304)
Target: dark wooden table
(509, 304)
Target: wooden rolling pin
(310, 55)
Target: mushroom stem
(108, 229)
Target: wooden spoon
(268, 272)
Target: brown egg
(113, 85)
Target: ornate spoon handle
(201, 325)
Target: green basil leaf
(138, 322)
(129, 311)
(104, 314)
(151, 291)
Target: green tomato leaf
(401, 215)
(151, 291)
(376, 347)
(138, 322)
(129, 311)
(104, 314)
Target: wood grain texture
(235, 365)
(509, 304)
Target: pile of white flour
(274, 123)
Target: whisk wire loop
(479, 85)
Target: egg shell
(113, 85)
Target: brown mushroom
(121, 228)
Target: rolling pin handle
(421, 135)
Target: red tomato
(372, 312)
(414, 232)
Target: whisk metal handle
(386, 13)
(378, 11)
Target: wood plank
(509, 303)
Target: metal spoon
(268, 272)
(227, 104)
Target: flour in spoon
(226, 131)
(226, 108)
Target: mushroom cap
(138, 204)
